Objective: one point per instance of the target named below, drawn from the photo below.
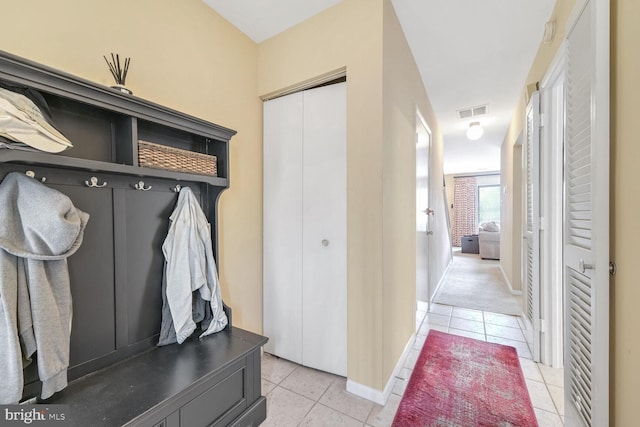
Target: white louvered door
(586, 233)
(531, 267)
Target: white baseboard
(444, 275)
(506, 279)
(375, 395)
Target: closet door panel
(283, 226)
(325, 230)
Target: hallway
(479, 284)
(300, 396)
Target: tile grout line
(544, 381)
(308, 412)
(339, 411)
(546, 385)
(289, 374)
(484, 327)
(423, 322)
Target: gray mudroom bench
(117, 374)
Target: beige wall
(383, 91)
(625, 205)
(546, 52)
(511, 202)
(403, 92)
(188, 58)
(507, 214)
(347, 35)
(398, 191)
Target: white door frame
(552, 174)
(532, 227)
(423, 215)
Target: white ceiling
(469, 53)
(260, 19)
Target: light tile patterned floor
(300, 396)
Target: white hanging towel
(189, 267)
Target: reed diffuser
(118, 72)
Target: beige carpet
(472, 282)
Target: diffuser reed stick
(119, 73)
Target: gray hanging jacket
(190, 288)
(39, 229)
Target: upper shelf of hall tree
(105, 124)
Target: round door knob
(325, 242)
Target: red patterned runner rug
(462, 382)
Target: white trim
(552, 106)
(531, 267)
(577, 10)
(420, 121)
(444, 275)
(506, 279)
(601, 152)
(557, 65)
(307, 84)
(375, 395)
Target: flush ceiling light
(475, 131)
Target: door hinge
(541, 120)
(539, 325)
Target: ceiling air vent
(472, 112)
(465, 114)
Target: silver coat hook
(32, 174)
(140, 186)
(177, 188)
(94, 183)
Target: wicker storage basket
(158, 156)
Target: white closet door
(531, 267)
(324, 268)
(282, 238)
(586, 240)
